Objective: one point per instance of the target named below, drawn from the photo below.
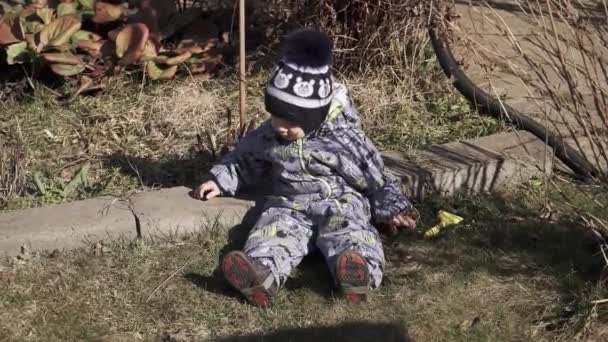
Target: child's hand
(403, 220)
(206, 191)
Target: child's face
(286, 129)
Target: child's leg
(277, 243)
(349, 229)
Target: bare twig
(601, 301)
(170, 277)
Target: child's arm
(241, 167)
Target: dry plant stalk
(368, 34)
(12, 171)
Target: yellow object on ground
(446, 219)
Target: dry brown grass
(368, 34)
(12, 172)
(504, 275)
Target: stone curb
(479, 165)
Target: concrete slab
(484, 164)
(481, 165)
(173, 211)
(164, 212)
(64, 226)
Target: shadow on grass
(165, 173)
(350, 331)
(503, 238)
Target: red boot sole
(240, 273)
(353, 276)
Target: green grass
(517, 276)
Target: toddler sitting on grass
(329, 182)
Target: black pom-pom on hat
(307, 48)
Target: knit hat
(300, 87)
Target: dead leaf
(149, 51)
(67, 69)
(93, 49)
(59, 31)
(155, 72)
(17, 53)
(107, 13)
(40, 3)
(468, 324)
(29, 20)
(63, 58)
(67, 8)
(131, 42)
(175, 60)
(10, 30)
(193, 47)
(84, 35)
(45, 14)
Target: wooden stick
(601, 301)
(242, 85)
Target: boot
(254, 281)
(352, 275)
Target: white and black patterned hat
(300, 87)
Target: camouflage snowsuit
(327, 188)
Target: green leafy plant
(52, 34)
(56, 189)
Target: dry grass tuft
(12, 172)
(399, 117)
(367, 34)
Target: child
(328, 181)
